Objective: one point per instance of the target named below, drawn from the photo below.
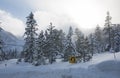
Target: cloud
(44, 18)
(11, 24)
(86, 13)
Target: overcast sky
(84, 14)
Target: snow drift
(99, 67)
(111, 65)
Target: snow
(101, 66)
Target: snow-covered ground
(101, 66)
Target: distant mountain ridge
(11, 42)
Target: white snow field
(101, 66)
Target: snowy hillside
(101, 66)
(10, 41)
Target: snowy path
(99, 67)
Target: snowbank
(101, 66)
(109, 66)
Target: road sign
(72, 59)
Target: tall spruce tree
(50, 50)
(30, 39)
(61, 42)
(117, 38)
(86, 54)
(91, 39)
(98, 35)
(2, 54)
(107, 30)
(39, 57)
(69, 47)
(54, 43)
(79, 43)
(58, 39)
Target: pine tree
(98, 35)
(30, 39)
(39, 57)
(50, 50)
(46, 47)
(86, 54)
(79, 43)
(69, 47)
(91, 39)
(2, 54)
(107, 30)
(54, 43)
(117, 37)
(61, 42)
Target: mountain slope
(10, 41)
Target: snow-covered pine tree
(39, 57)
(46, 51)
(117, 38)
(79, 43)
(69, 47)
(55, 40)
(58, 42)
(91, 39)
(61, 43)
(2, 54)
(86, 54)
(107, 30)
(113, 35)
(50, 50)
(98, 39)
(15, 53)
(30, 39)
